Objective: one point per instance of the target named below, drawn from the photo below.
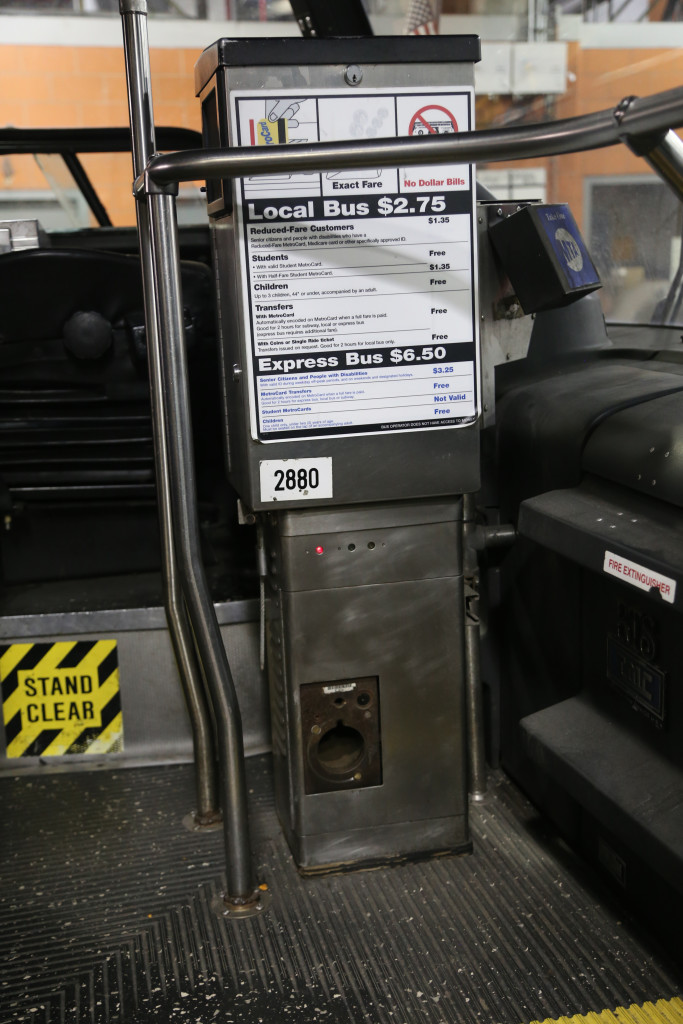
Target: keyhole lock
(353, 75)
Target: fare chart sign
(359, 284)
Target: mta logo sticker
(569, 248)
(61, 698)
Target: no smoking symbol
(433, 120)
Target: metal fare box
(347, 298)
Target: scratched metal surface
(105, 916)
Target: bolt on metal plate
(259, 902)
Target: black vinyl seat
(76, 453)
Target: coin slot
(340, 750)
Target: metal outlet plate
(341, 734)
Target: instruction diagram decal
(433, 120)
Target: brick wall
(59, 86)
(599, 79)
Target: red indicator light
(319, 550)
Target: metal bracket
(145, 185)
(622, 109)
(238, 909)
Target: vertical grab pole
(241, 890)
(164, 312)
(143, 145)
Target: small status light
(319, 549)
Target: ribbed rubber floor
(105, 916)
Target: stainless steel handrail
(641, 116)
(143, 146)
(175, 464)
(183, 497)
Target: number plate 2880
(296, 479)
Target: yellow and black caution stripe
(664, 1011)
(61, 698)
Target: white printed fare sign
(360, 303)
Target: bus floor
(105, 915)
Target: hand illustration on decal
(286, 108)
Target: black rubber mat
(105, 916)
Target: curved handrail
(631, 118)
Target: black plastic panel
(376, 50)
(623, 782)
(640, 448)
(545, 419)
(583, 523)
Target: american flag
(422, 18)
